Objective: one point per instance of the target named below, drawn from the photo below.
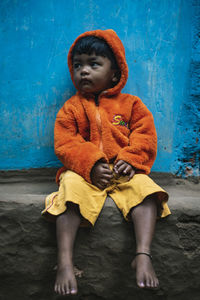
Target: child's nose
(84, 70)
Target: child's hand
(101, 175)
(124, 169)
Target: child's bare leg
(144, 219)
(67, 225)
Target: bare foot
(65, 281)
(145, 274)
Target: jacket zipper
(98, 120)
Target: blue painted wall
(163, 54)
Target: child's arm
(142, 148)
(71, 148)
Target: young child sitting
(107, 143)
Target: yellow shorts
(125, 194)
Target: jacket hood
(117, 47)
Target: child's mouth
(85, 81)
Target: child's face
(93, 73)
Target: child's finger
(106, 167)
(107, 176)
(104, 182)
(127, 170)
(100, 186)
(132, 173)
(107, 172)
(115, 169)
(119, 163)
(122, 168)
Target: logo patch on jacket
(117, 120)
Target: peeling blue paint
(187, 144)
(163, 53)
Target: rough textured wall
(103, 253)
(162, 49)
(187, 145)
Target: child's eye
(76, 65)
(94, 64)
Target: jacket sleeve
(71, 148)
(142, 148)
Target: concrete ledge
(103, 253)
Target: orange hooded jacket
(119, 128)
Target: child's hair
(92, 44)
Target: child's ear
(114, 77)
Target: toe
(141, 284)
(152, 283)
(58, 290)
(73, 291)
(63, 289)
(67, 290)
(148, 283)
(156, 283)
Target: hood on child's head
(117, 47)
